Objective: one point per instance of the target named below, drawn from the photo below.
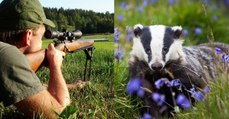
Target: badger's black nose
(156, 66)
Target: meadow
(94, 99)
(202, 21)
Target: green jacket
(17, 80)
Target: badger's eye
(165, 50)
(148, 50)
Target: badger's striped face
(157, 44)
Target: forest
(88, 21)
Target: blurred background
(201, 20)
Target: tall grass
(96, 98)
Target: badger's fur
(157, 52)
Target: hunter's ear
(138, 30)
(27, 37)
(177, 31)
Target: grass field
(93, 100)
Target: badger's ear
(137, 30)
(177, 31)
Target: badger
(157, 52)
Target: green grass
(94, 100)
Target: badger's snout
(156, 66)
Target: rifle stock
(38, 59)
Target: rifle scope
(63, 35)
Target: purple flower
(192, 89)
(171, 2)
(218, 51)
(129, 35)
(185, 32)
(225, 58)
(215, 18)
(116, 39)
(198, 31)
(123, 5)
(204, 1)
(175, 82)
(183, 102)
(122, 56)
(145, 3)
(160, 82)
(158, 98)
(207, 89)
(154, 1)
(140, 93)
(120, 17)
(116, 34)
(198, 95)
(116, 54)
(134, 85)
(119, 55)
(140, 9)
(146, 116)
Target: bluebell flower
(160, 82)
(207, 89)
(215, 18)
(185, 32)
(140, 93)
(120, 17)
(129, 35)
(134, 85)
(147, 116)
(116, 39)
(204, 1)
(116, 34)
(158, 98)
(175, 82)
(119, 54)
(183, 102)
(192, 89)
(226, 58)
(198, 95)
(145, 3)
(116, 54)
(122, 56)
(171, 2)
(198, 30)
(154, 1)
(140, 9)
(123, 5)
(218, 51)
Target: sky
(94, 5)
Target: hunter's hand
(55, 57)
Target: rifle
(67, 41)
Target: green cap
(22, 14)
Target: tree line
(85, 20)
